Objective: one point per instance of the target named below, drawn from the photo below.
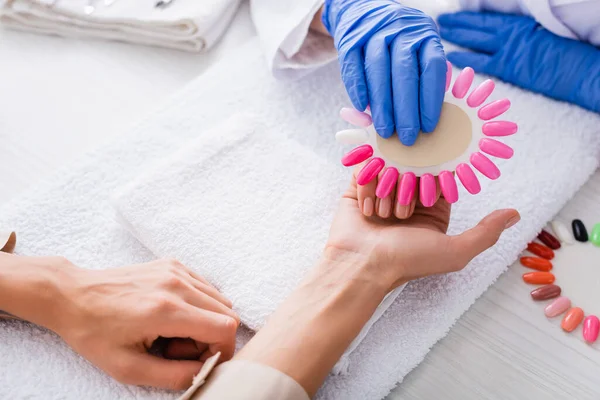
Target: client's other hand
(400, 250)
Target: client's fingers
(184, 349)
(385, 192)
(366, 196)
(484, 235)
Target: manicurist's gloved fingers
(473, 20)
(379, 82)
(405, 88)
(476, 40)
(353, 75)
(479, 62)
(432, 83)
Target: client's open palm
(407, 249)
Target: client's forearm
(309, 332)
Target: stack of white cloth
(178, 24)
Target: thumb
(484, 235)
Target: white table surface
(61, 97)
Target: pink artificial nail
(428, 190)
(496, 148)
(355, 117)
(468, 179)
(591, 328)
(387, 182)
(557, 307)
(406, 191)
(370, 171)
(448, 186)
(493, 109)
(485, 165)
(357, 155)
(481, 93)
(499, 128)
(463, 83)
(448, 74)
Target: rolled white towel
(179, 24)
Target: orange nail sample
(540, 250)
(572, 318)
(538, 278)
(541, 264)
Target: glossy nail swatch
(468, 179)
(485, 165)
(562, 232)
(540, 250)
(494, 109)
(595, 235)
(539, 278)
(357, 155)
(495, 148)
(545, 292)
(406, 191)
(356, 117)
(463, 83)
(579, 231)
(549, 240)
(557, 307)
(387, 182)
(540, 264)
(352, 136)
(572, 319)
(448, 186)
(428, 190)
(499, 128)
(591, 328)
(370, 171)
(481, 93)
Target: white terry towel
(245, 208)
(71, 215)
(184, 24)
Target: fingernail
(406, 190)
(368, 207)
(385, 207)
(512, 221)
(384, 131)
(370, 171)
(387, 182)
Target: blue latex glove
(392, 59)
(518, 50)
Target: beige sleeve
(241, 380)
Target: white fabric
(185, 24)
(574, 19)
(555, 152)
(246, 208)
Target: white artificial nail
(562, 232)
(352, 136)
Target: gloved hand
(392, 59)
(518, 50)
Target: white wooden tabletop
(61, 97)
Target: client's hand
(113, 317)
(403, 250)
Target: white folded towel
(184, 24)
(556, 150)
(244, 207)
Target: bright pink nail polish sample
(591, 328)
(448, 186)
(493, 109)
(357, 155)
(370, 171)
(355, 117)
(499, 128)
(448, 74)
(406, 191)
(496, 148)
(468, 178)
(485, 165)
(387, 182)
(428, 190)
(481, 93)
(463, 83)
(557, 307)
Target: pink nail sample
(428, 190)
(496, 148)
(485, 165)
(406, 191)
(468, 179)
(370, 171)
(387, 182)
(493, 109)
(499, 128)
(355, 117)
(448, 74)
(481, 93)
(448, 186)
(591, 327)
(357, 155)
(463, 83)
(557, 307)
